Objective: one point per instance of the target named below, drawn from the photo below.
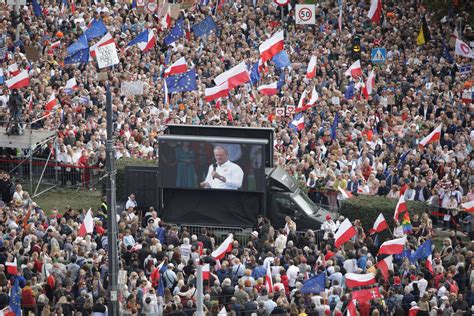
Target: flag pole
(200, 296)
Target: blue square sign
(379, 55)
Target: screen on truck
(211, 163)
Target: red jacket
(28, 297)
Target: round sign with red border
(152, 6)
(465, 49)
(305, 14)
(281, 2)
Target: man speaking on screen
(223, 173)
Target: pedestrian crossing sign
(379, 55)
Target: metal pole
(17, 10)
(112, 303)
(200, 296)
(31, 158)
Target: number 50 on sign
(305, 14)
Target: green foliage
(120, 177)
(367, 208)
(62, 198)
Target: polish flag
(19, 81)
(463, 49)
(224, 248)
(369, 85)
(303, 105)
(7, 311)
(206, 272)
(354, 70)
(71, 84)
(351, 308)
(56, 44)
(236, 76)
(105, 40)
(401, 207)
(272, 46)
(344, 194)
(468, 206)
(262, 66)
(434, 136)
(269, 281)
(354, 279)
(13, 70)
(268, 89)
(345, 232)
(87, 226)
(12, 267)
(375, 11)
(311, 71)
(379, 225)
(385, 265)
(166, 19)
(393, 247)
(177, 67)
(52, 103)
(146, 46)
(429, 264)
(217, 92)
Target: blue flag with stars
(37, 8)
(204, 27)
(424, 251)
(335, 122)
(182, 82)
(15, 298)
(281, 60)
(254, 74)
(445, 53)
(81, 57)
(142, 37)
(96, 29)
(79, 45)
(176, 32)
(315, 285)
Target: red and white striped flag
(268, 280)
(268, 89)
(206, 271)
(235, 76)
(13, 70)
(105, 40)
(345, 232)
(375, 11)
(177, 67)
(393, 247)
(385, 265)
(355, 280)
(217, 92)
(12, 267)
(379, 225)
(429, 264)
(52, 103)
(272, 46)
(468, 206)
(344, 194)
(311, 70)
(434, 136)
(166, 19)
(401, 207)
(355, 70)
(87, 226)
(19, 81)
(224, 248)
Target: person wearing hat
(328, 226)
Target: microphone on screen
(214, 166)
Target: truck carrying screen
(212, 163)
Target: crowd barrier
(52, 172)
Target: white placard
(13, 2)
(305, 14)
(335, 100)
(290, 109)
(107, 55)
(280, 111)
(132, 88)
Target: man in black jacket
(422, 193)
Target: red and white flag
(151, 41)
(105, 40)
(268, 89)
(379, 225)
(12, 267)
(429, 264)
(351, 308)
(19, 81)
(269, 281)
(177, 67)
(385, 265)
(217, 92)
(272, 46)
(235, 76)
(354, 279)
(13, 70)
(206, 271)
(375, 11)
(87, 226)
(369, 85)
(224, 248)
(463, 49)
(468, 206)
(166, 19)
(344, 194)
(304, 103)
(393, 247)
(345, 232)
(434, 136)
(311, 71)
(401, 207)
(355, 70)
(7, 311)
(52, 103)
(71, 84)
(56, 44)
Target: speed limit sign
(305, 14)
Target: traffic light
(356, 48)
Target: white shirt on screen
(232, 173)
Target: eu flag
(403, 158)
(96, 29)
(335, 122)
(15, 298)
(204, 27)
(281, 60)
(80, 57)
(176, 32)
(37, 8)
(445, 53)
(79, 45)
(349, 93)
(424, 251)
(182, 82)
(281, 80)
(254, 74)
(142, 37)
(315, 285)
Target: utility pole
(112, 302)
(17, 10)
(200, 295)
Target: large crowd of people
(371, 149)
